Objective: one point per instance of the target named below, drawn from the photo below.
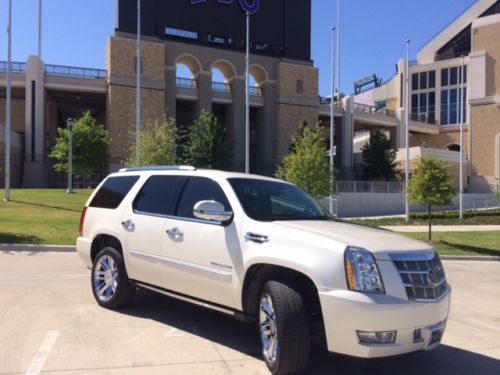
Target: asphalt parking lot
(49, 322)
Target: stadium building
(181, 36)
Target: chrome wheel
(105, 278)
(268, 330)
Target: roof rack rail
(159, 168)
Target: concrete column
(34, 166)
(347, 137)
(204, 92)
(171, 92)
(236, 123)
(266, 131)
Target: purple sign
(250, 6)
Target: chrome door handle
(175, 233)
(129, 225)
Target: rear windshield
(112, 192)
(265, 200)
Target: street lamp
(69, 124)
(461, 107)
(407, 132)
(138, 84)
(8, 107)
(247, 96)
(332, 122)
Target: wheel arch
(103, 240)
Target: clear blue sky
(373, 32)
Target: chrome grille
(422, 279)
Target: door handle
(129, 225)
(175, 233)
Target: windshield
(270, 201)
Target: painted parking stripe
(43, 353)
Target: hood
(379, 242)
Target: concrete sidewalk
(443, 228)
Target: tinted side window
(158, 195)
(200, 189)
(112, 192)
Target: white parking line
(43, 353)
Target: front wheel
(284, 329)
(110, 283)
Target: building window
(451, 80)
(423, 99)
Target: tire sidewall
(122, 277)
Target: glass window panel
(423, 103)
(414, 81)
(423, 80)
(444, 77)
(158, 195)
(453, 76)
(432, 79)
(453, 106)
(414, 103)
(444, 107)
(431, 106)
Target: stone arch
(226, 68)
(191, 62)
(259, 74)
(452, 147)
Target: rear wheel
(110, 283)
(284, 329)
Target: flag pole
(332, 121)
(407, 132)
(8, 106)
(138, 87)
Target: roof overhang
(427, 53)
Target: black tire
(120, 290)
(292, 327)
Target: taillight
(82, 219)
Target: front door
(199, 255)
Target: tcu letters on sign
(250, 6)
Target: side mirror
(212, 211)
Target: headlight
(362, 271)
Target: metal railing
(16, 67)
(369, 187)
(73, 71)
(255, 91)
(221, 87)
(371, 109)
(186, 83)
(423, 118)
(481, 204)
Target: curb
(37, 248)
(470, 257)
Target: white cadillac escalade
(262, 250)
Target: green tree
(379, 156)
(90, 145)
(158, 144)
(206, 145)
(431, 185)
(307, 164)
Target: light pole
(69, 124)
(338, 48)
(407, 131)
(8, 106)
(138, 86)
(461, 107)
(332, 122)
(247, 96)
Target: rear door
(143, 223)
(200, 255)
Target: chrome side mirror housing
(212, 211)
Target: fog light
(388, 337)
(417, 335)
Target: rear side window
(158, 195)
(200, 189)
(112, 192)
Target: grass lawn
(41, 216)
(484, 217)
(462, 243)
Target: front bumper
(346, 312)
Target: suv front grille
(422, 279)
